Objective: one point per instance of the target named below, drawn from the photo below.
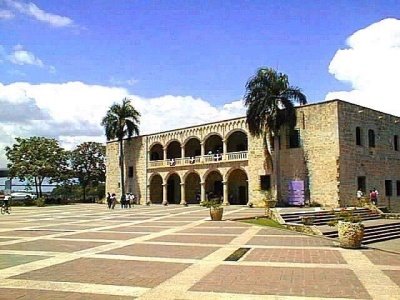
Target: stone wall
(377, 163)
(328, 160)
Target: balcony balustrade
(205, 159)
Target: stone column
(182, 152)
(202, 191)
(183, 198)
(165, 153)
(148, 199)
(202, 151)
(225, 197)
(164, 201)
(224, 146)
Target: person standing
(359, 194)
(113, 200)
(108, 200)
(373, 197)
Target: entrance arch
(192, 188)
(238, 187)
(214, 184)
(174, 189)
(156, 189)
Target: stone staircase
(376, 229)
(323, 217)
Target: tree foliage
(121, 121)
(88, 164)
(35, 159)
(270, 102)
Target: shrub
(40, 202)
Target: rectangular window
(398, 187)
(130, 172)
(294, 139)
(265, 182)
(358, 136)
(362, 183)
(396, 143)
(388, 188)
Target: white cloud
(129, 82)
(23, 57)
(72, 111)
(6, 14)
(20, 56)
(32, 10)
(371, 64)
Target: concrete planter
(270, 203)
(216, 213)
(350, 234)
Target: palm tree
(121, 121)
(270, 102)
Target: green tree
(88, 164)
(121, 121)
(35, 159)
(270, 102)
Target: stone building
(336, 148)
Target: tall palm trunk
(277, 169)
(121, 166)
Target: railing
(205, 159)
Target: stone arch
(192, 146)
(174, 149)
(213, 181)
(213, 143)
(237, 180)
(192, 187)
(173, 181)
(156, 188)
(236, 141)
(156, 151)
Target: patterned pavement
(86, 251)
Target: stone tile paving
(312, 256)
(104, 271)
(195, 239)
(300, 241)
(383, 258)
(51, 245)
(175, 252)
(317, 282)
(169, 251)
(26, 294)
(11, 260)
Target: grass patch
(264, 222)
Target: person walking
(113, 200)
(108, 200)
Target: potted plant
(269, 202)
(214, 204)
(350, 229)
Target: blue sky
(66, 61)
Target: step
(381, 239)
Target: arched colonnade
(193, 187)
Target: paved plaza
(86, 251)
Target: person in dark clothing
(108, 200)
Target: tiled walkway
(174, 252)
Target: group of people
(373, 195)
(126, 201)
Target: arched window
(396, 143)
(371, 138)
(358, 136)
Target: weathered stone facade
(184, 165)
